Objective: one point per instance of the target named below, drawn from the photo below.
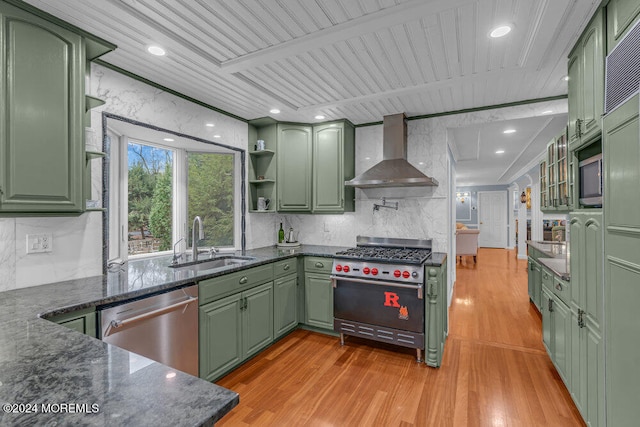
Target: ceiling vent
(623, 70)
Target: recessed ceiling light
(169, 139)
(274, 111)
(367, 158)
(216, 136)
(500, 152)
(500, 31)
(565, 78)
(320, 117)
(170, 375)
(421, 163)
(509, 131)
(547, 112)
(156, 50)
(209, 125)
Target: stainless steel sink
(209, 264)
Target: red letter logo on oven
(391, 299)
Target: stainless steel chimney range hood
(394, 170)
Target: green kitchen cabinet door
(318, 292)
(578, 258)
(586, 84)
(257, 319)
(537, 283)
(621, 155)
(83, 321)
(547, 327)
(285, 304)
(574, 68)
(621, 17)
(294, 168)
(578, 369)
(594, 373)
(592, 82)
(592, 286)
(333, 163)
(41, 117)
(220, 336)
(561, 336)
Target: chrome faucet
(194, 249)
(175, 259)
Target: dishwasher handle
(115, 324)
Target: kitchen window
(157, 189)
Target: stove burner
(408, 255)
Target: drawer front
(211, 289)
(561, 289)
(286, 267)
(547, 279)
(318, 264)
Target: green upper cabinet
(586, 84)
(621, 16)
(42, 150)
(311, 164)
(42, 114)
(333, 163)
(294, 156)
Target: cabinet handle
(578, 128)
(246, 302)
(286, 267)
(559, 287)
(581, 323)
(550, 306)
(243, 280)
(319, 265)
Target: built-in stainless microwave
(591, 181)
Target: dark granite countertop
(556, 253)
(45, 363)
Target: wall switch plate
(39, 243)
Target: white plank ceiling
(354, 59)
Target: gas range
(379, 291)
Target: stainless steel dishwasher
(162, 327)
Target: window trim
(179, 169)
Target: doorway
(492, 215)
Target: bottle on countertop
(281, 234)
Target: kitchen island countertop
(44, 365)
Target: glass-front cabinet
(555, 177)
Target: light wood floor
(495, 371)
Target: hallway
(495, 370)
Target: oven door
(393, 305)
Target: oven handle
(334, 280)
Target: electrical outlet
(39, 243)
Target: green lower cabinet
(83, 321)
(257, 319)
(535, 282)
(545, 310)
(595, 406)
(561, 337)
(318, 294)
(285, 304)
(235, 328)
(220, 336)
